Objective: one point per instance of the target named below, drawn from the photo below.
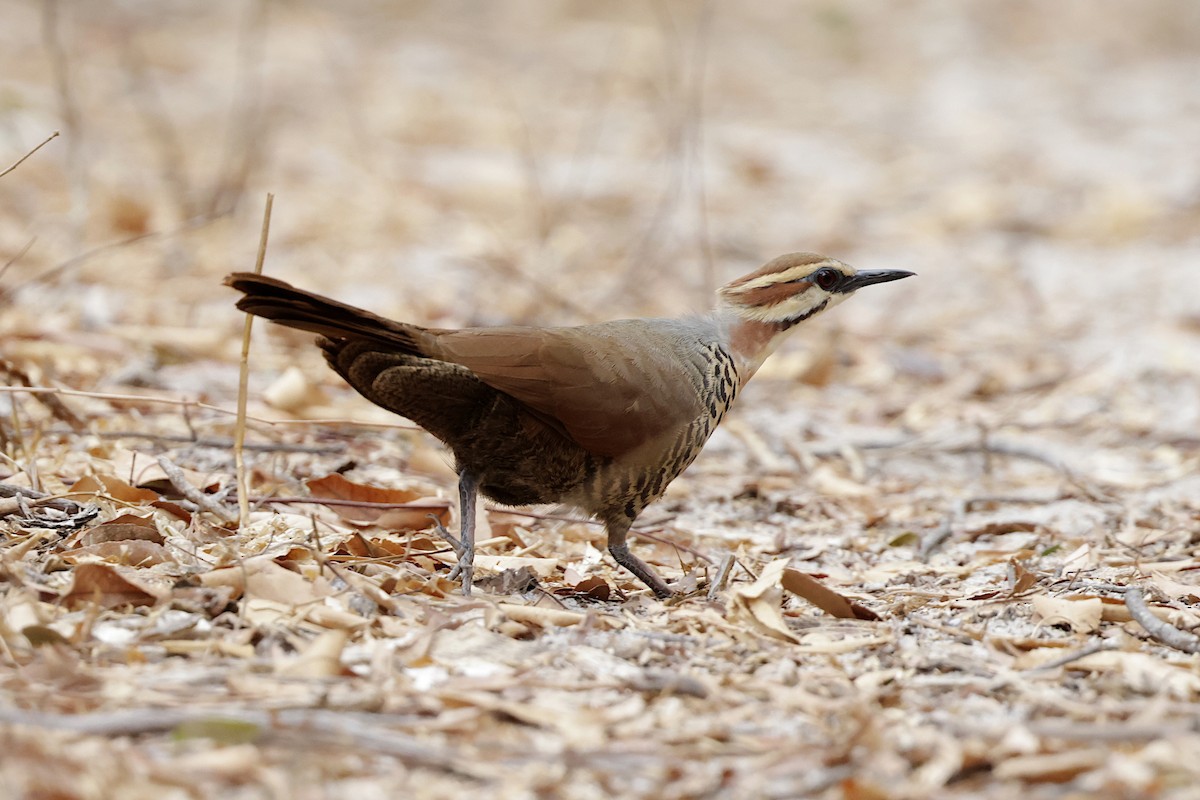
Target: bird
(600, 417)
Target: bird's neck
(750, 341)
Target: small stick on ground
(1092, 649)
(216, 442)
(722, 576)
(180, 482)
(239, 431)
(1164, 632)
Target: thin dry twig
(186, 403)
(340, 501)
(37, 498)
(722, 576)
(180, 482)
(239, 431)
(215, 442)
(53, 403)
(1161, 630)
(21, 160)
(933, 541)
(16, 257)
(1091, 649)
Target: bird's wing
(611, 386)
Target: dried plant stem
(722, 576)
(186, 404)
(21, 160)
(239, 432)
(179, 481)
(216, 442)
(1164, 632)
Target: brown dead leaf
(336, 487)
(126, 552)
(823, 597)
(1020, 579)
(417, 516)
(145, 472)
(124, 527)
(110, 587)
(389, 546)
(262, 577)
(508, 525)
(999, 528)
(174, 509)
(111, 486)
(595, 588)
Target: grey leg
(464, 546)
(618, 529)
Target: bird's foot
(465, 568)
(642, 570)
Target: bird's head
(792, 288)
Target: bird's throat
(751, 341)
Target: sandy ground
(986, 456)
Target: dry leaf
(1020, 579)
(145, 472)
(262, 577)
(828, 482)
(542, 567)
(759, 605)
(823, 597)
(420, 515)
(551, 617)
(321, 659)
(509, 581)
(595, 587)
(113, 487)
(292, 391)
(1144, 673)
(128, 552)
(1082, 615)
(110, 587)
(336, 487)
(124, 527)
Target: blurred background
(461, 163)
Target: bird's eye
(827, 278)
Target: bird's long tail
(286, 305)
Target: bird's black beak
(867, 277)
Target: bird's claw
(465, 568)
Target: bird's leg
(464, 543)
(618, 529)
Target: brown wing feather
(591, 379)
